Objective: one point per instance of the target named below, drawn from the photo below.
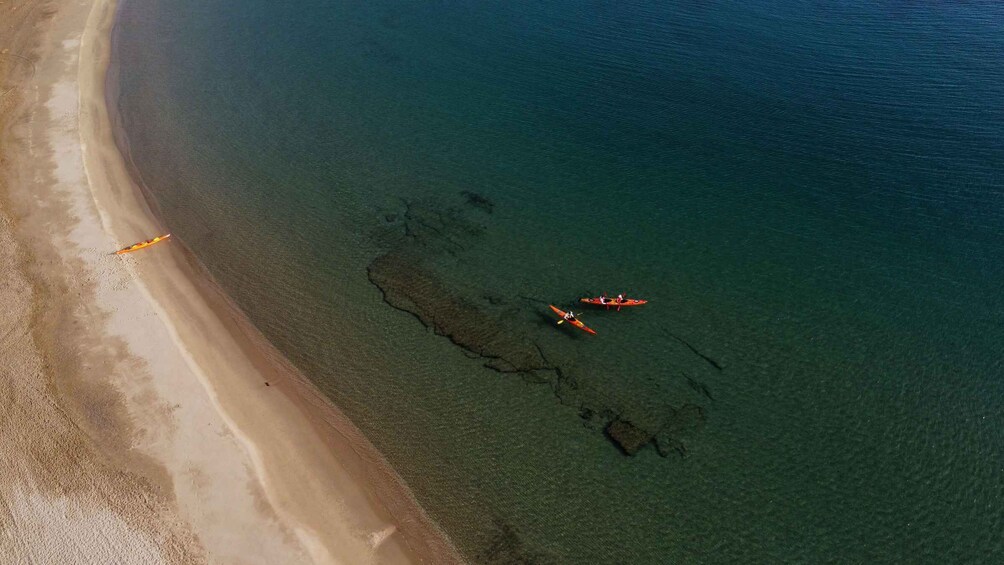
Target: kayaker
(621, 299)
(604, 299)
(569, 316)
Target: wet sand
(145, 419)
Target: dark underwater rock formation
(671, 437)
(699, 387)
(506, 547)
(679, 428)
(407, 286)
(627, 436)
(478, 201)
(422, 234)
(694, 350)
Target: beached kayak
(613, 302)
(575, 323)
(143, 244)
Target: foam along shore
(192, 438)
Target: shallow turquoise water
(810, 196)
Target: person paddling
(621, 299)
(571, 318)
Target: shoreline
(299, 480)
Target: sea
(809, 193)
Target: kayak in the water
(565, 317)
(619, 302)
(143, 244)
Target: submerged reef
(407, 286)
(478, 201)
(491, 328)
(505, 546)
(628, 437)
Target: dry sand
(137, 425)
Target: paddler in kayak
(619, 302)
(570, 318)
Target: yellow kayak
(143, 244)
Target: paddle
(562, 321)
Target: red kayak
(608, 302)
(575, 323)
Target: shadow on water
(545, 321)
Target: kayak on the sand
(143, 244)
(571, 320)
(608, 302)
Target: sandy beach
(145, 420)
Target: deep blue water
(809, 193)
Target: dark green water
(810, 194)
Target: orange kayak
(613, 302)
(575, 323)
(143, 244)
